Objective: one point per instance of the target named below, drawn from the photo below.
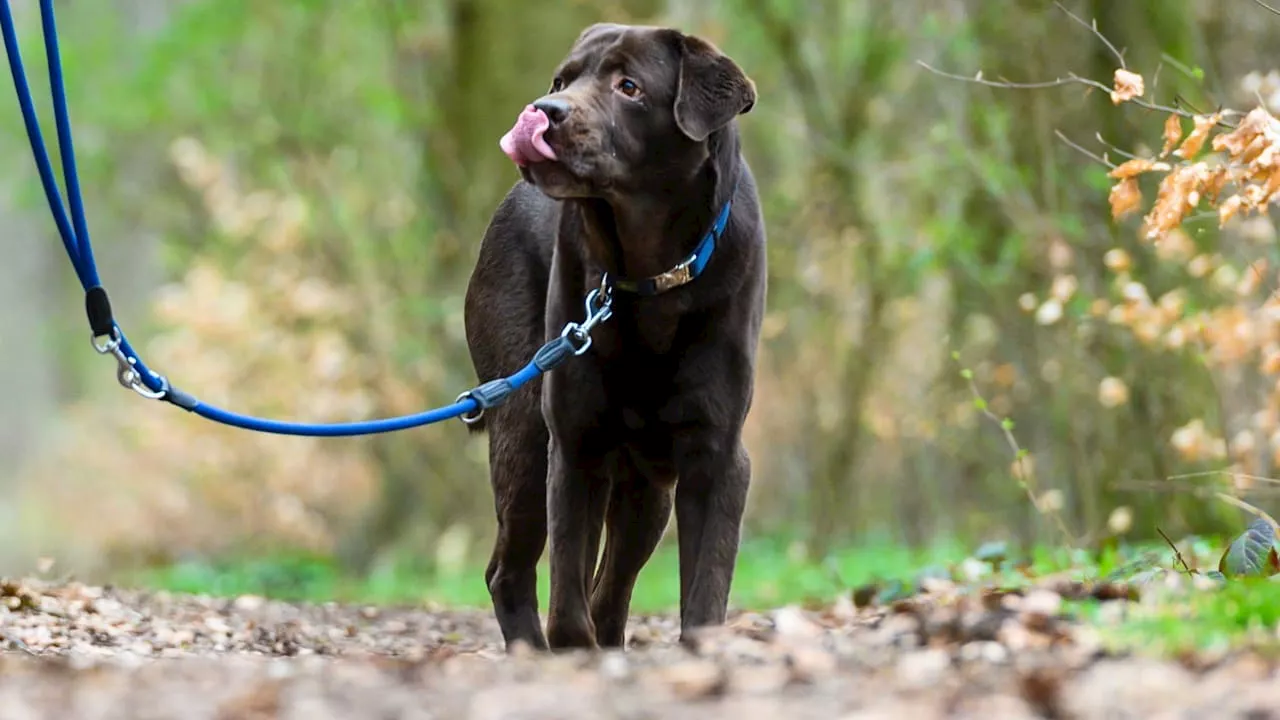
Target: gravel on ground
(75, 651)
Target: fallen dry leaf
(951, 651)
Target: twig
(1176, 553)
(1181, 101)
(1232, 473)
(1082, 150)
(1071, 79)
(1155, 79)
(1164, 484)
(1267, 7)
(1093, 27)
(1114, 148)
(1198, 491)
(1255, 511)
(1006, 427)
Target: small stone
(898, 625)
(643, 636)
(984, 651)
(696, 679)
(1042, 602)
(808, 664)
(981, 625)
(248, 603)
(521, 649)
(792, 623)
(760, 679)
(923, 668)
(844, 609)
(937, 586)
(614, 666)
(142, 648)
(973, 569)
(1016, 637)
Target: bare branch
(1176, 552)
(1093, 28)
(1087, 153)
(1114, 148)
(1023, 472)
(1071, 79)
(1251, 509)
(979, 80)
(1267, 7)
(1227, 472)
(1181, 101)
(1155, 79)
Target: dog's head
(628, 107)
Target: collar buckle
(676, 276)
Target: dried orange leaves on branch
(1246, 160)
(1128, 85)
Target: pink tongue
(524, 143)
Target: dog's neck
(646, 235)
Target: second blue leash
(109, 339)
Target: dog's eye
(628, 87)
(557, 84)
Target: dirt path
(85, 652)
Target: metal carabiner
(599, 307)
(126, 374)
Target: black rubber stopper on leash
(98, 307)
(552, 354)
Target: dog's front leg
(577, 495)
(710, 500)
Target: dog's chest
(640, 386)
(644, 439)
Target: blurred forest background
(286, 199)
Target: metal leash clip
(575, 338)
(599, 305)
(126, 374)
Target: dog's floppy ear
(712, 89)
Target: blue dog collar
(685, 271)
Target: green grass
(1244, 612)
(772, 572)
(769, 573)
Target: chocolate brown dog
(633, 183)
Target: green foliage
(771, 573)
(1241, 614)
(1252, 553)
(908, 215)
(1122, 590)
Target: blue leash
(132, 373)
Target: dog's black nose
(555, 109)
